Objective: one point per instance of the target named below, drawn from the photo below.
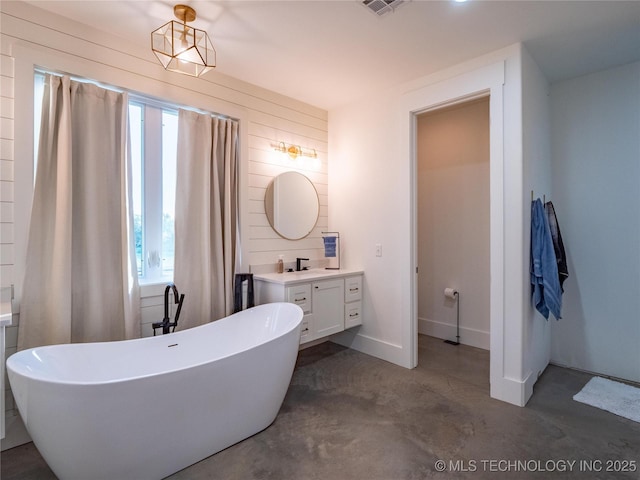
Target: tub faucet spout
(169, 287)
(166, 323)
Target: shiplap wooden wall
(266, 119)
(264, 164)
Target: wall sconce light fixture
(295, 151)
(181, 48)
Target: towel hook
(544, 198)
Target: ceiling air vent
(381, 7)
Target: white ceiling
(329, 52)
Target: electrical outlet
(378, 250)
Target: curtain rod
(136, 96)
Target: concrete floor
(351, 416)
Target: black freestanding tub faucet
(166, 322)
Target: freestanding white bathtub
(149, 407)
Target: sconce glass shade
(183, 49)
(295, 151)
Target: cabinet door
(328, 307)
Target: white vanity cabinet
(331, 301)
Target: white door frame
(478, 83)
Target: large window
(153, 137)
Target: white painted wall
(595, 131)
(537, 179)
(31, 36)
(371, 180)
(453, 221)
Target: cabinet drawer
(353, 289)
(352, 314)
(301, 296)
(305, 331)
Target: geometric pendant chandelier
(181, 48)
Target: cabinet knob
(353, 289)
(300, 299)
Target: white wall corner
(537, 179)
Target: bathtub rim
(24, 373)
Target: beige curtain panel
(80, 275)
(206, 216)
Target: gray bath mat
(614, 397)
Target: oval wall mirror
(292, 206)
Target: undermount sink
(312, 271)
(304, 274)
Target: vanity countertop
(303, 276)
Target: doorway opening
(487, 81)
(453, 234)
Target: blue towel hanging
(329, 246)
(547, 294)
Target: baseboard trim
(372, 346)
(446, 331)
(596, 374)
